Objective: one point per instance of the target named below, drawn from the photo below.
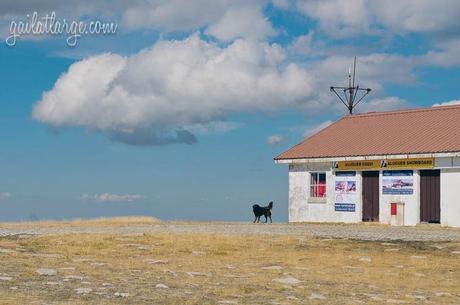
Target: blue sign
(398, 173)
(345, 207)
(345, 174)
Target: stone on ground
(46, 271)
(288, 280)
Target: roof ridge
(401, 111)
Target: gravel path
(349, 231)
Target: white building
(399, 167)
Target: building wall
(450, 197)
(411, 203)
(304, 208)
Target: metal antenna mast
(351, 92)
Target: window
(318, 185)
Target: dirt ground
(219, 268)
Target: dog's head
(270, 205)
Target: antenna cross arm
(336, 87)
(362, 89)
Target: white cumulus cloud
(241, 22)
(150, 98)
(107, 197)
(338, 18)
(302, 44)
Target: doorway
(430, 196)
(370, 195)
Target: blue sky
(180, 113)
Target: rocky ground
(349, 231)
(228, 263)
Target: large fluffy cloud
(153, 96)
(174, 90)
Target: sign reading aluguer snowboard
(409, 163)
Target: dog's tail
(270, 205)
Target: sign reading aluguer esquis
(412, 163)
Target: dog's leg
(266, 218)
(258, 219)
(255, 219)
(270, 218)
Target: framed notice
(345, 192)
(398, 182)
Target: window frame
(314, 185)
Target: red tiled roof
(416, 131)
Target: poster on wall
(345, 192)
(398, 182)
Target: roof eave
(369, 157)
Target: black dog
(266, 211)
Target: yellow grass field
(91, 222)
(160, 268)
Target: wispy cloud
(383, 104)
(4, 195)
(275, 140)
(215, 127)
(107, 197)
(449, 103)
(312, 130)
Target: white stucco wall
(411, 203)
(304, 208)
(299, 193)
(450, 197)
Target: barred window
(318, 185)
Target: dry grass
(78, 222)
(340, 271)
